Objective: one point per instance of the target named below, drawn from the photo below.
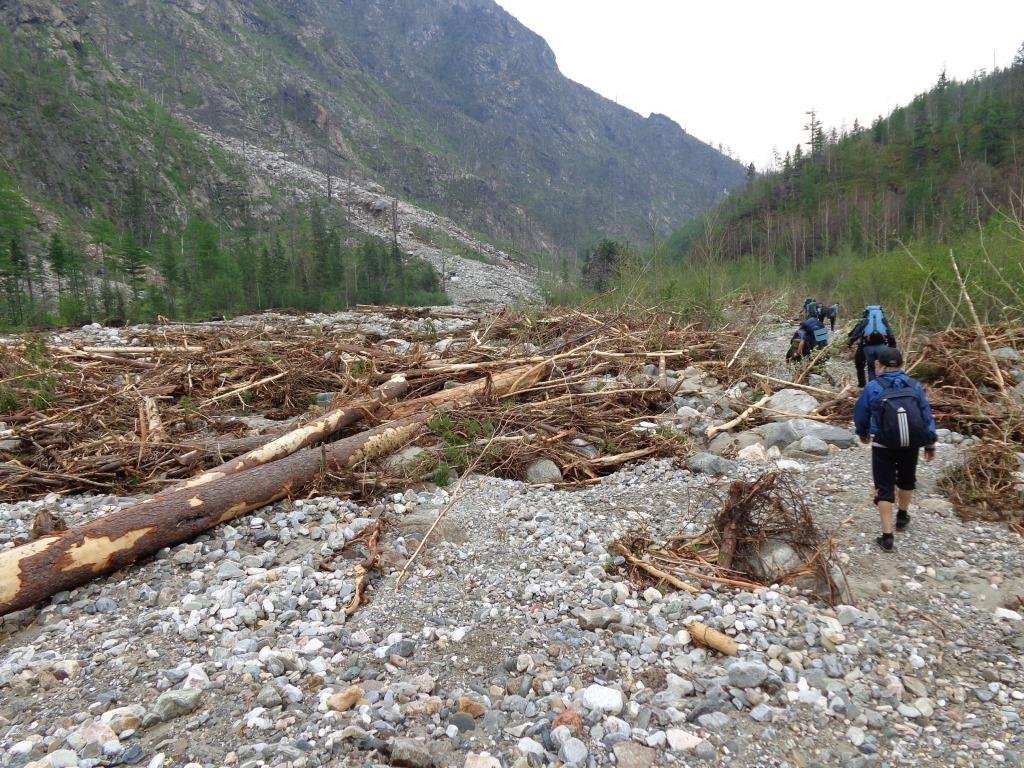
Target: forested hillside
(113, 208)
(870, 214)
(933, 168)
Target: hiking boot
(885, 541)
(902, 519)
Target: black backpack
(899, 418)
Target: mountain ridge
(451, 104)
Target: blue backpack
(876, 329)
(815, 333)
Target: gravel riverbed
(518, 640)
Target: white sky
(743, 72)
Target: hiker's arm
(929, 419)
(862, 415)
(856, 333)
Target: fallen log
(36, 570)
(316, 431)
(151, 427)
(502, 384)
(226, 449)
(126, 350)
(712, 638)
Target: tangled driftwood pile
(763, 534)
(134, 419)
(988, 485)
(570, 387)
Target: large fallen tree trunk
(34, 571)
(316, 431)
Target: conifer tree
(58, 258)
(132, 263)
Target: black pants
(893, 468)
(860, 363)
(832, 322)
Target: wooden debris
(60, 561)
(712, 638)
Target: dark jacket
(865, 413)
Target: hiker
(809, 308)
(894, 417)
(821, 312)
(796, 345)
(833, 313)
(810, 335)
(871, 334)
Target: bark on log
(226, 449)
(34, 571)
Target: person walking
(894, 417)
(871, 334)
(812, 335)
(833, 313)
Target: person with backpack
(820, 312)
(833, 314)
(812, 336)
(873, 334)
(810, 308)
(894, 417)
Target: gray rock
(847, 614)
(543, 471)
(408, 459)
(706, 751)
(747, 674)
(403, 648)
(774, 560)
(105, 605)
(812, 445)
(746, 439)
(599, 618)
(714, 721)
(573, 751)
(409, 753)
(174, 704)
(463, 721)
(709, 464)
(762, 713)
(722, 444)
(791, 401)
(782, 433)
(269, 697)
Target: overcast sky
(743, 73)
